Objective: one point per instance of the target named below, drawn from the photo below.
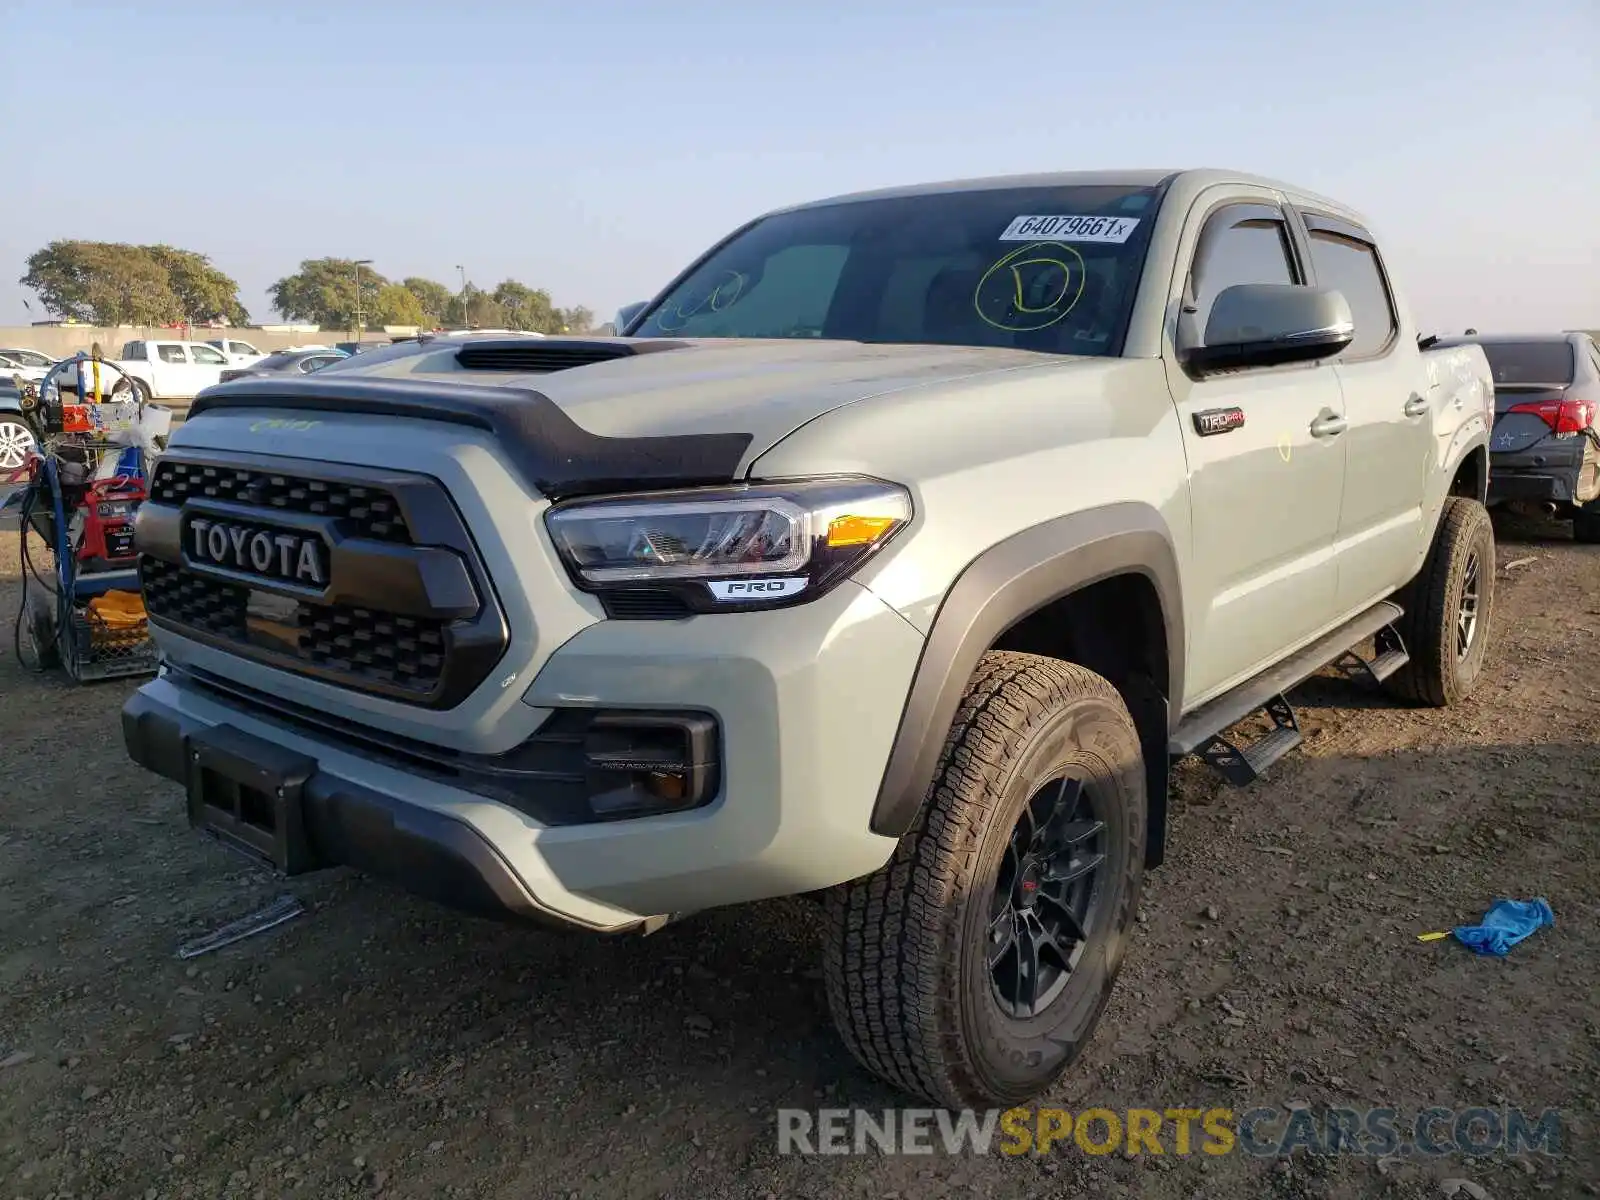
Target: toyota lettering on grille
(269, 553)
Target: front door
(1388, 403)
(1266, 467)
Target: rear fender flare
(1004, 584)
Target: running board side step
(1389, 654)
(1201, 731)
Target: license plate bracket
(249, 794)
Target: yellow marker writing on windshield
(1053, 266)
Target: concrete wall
(62, 340)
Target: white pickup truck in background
(161, 370)
(238, 354)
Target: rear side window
(135, 352)
(1243, 243)
(171, 354)
(1351, 266)
(1553, 363)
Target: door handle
(1416, 406)
(1328, 424)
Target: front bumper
(807, 701)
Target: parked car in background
(1545, 449)
(159, 369)
(30, 358)
(361, 347)
(10, 365)
(285, 362)
(235, 351)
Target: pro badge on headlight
(755, 589)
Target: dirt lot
(378, 1045)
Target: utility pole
(360, 262)
(465, 323)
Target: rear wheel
(1449, 609)
(973, 967)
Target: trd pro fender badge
(1218, 420)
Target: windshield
(1531, 362)
(1039, 268)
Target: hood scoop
(542, 356)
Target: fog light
(639, 764)
(668, 785)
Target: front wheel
(1449, 609)
(973, 967)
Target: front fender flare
(1005, 583)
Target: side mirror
(627, 313)
(1270, 324)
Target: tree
(475, 309)
(577, 319)
(397, 304)
(204, 292)
(434, 299)
(113, 283)
(323, 291)
(525, 307)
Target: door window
(135, 352)
(1242, 243)
(206, 356)
(169, 353)
(1351, 266)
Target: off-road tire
(906, 952)
(1586, 523)
(1437, 675)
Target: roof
(1194, 179)
(1544, 335)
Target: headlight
(754, 546)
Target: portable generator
(107, 511)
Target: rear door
(1265, 489)
(1389, 450)
(206, 364)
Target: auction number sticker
(1071, 229)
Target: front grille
(371, 512)
(414, 620)
(357, 645)
(538, 358)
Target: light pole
(360, 262)
(463, 270)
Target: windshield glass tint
(273, 361)
(1531, 362)
(1051, 269)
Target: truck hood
(763, 387)
(651, 413)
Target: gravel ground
(381, 1046)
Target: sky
(595, 147)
